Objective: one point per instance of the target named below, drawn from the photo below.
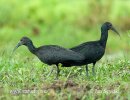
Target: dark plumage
(94, 50)
(53, 54)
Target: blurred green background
(63, 22)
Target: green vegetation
(65, 23)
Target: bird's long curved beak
(113, 29)
(19, 44)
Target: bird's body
(94, 50)
(53, 54)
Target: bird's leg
(58, 71)
(87, 70)
(50, 71)
(93, 69)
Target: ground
(30, 81)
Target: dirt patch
(59, 85)
(69, 84)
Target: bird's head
(109, 26)
(23, 41)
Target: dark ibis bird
(94, 50)
(53, 54)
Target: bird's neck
(104, 36)
(31, 47)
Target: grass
(27, 78)
(58, 22)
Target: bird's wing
(91, 50)
(57, 54)
(82, 48)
